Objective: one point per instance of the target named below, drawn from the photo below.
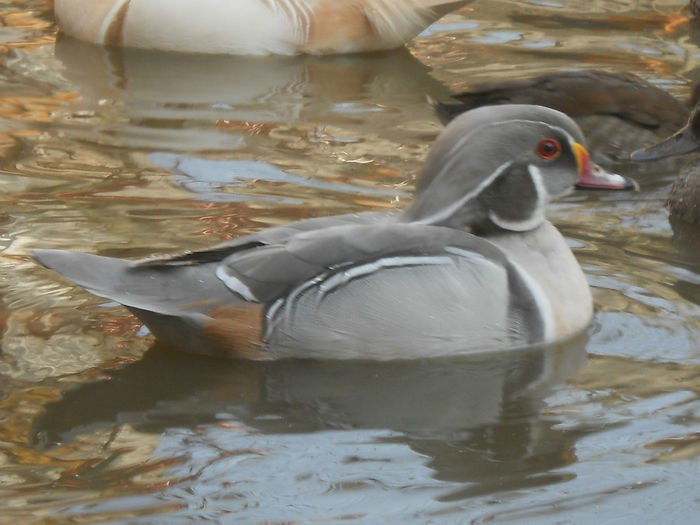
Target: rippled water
(131, 154)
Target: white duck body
(250, 27)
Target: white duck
(250, 27)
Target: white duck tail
(250, 27)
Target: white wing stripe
(342, 277)
(235, 285)
(282, 308)
(104, 28)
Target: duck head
(497, 167)
(685, 140)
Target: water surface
(127, 154)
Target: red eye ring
(548, 149)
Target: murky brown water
(141, 153)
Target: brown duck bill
(593, 177)
(681, 142)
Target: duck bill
(679, 143)
(593, 177)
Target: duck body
(617, 112)
(250, 27)
(384, 285)
(428, 291)
(684, 198)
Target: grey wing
(272, 271)
(405, 290)
(170, 283)
(404, 287)
(271, 236)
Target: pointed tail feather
(177, 290)
(99, 275)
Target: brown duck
(684, 199)
(617, 112)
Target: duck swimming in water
(618, 112)
(684, 199)
(250, 27)
(471, 265)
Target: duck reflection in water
(477, 418)
(184, 102)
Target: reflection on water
(209, 179)
(133, 153)
(431, 398)
(141, 99)
(462, 418)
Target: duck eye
(548, 149)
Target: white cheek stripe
(109, 19)
(537, 215)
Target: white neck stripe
(451, 210)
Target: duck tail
(163, 289)
(99, 275)
(400, 20)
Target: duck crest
(472, 180)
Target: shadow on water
(477, 418)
